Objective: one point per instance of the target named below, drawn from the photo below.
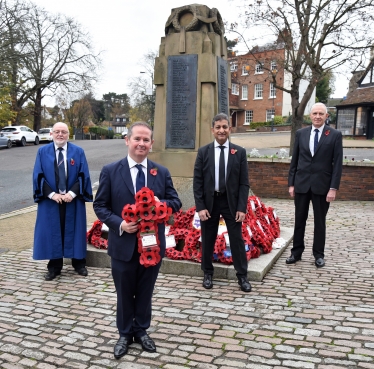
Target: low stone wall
(268, 178)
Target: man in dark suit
(315, 172)
(134, 283)
(221, 187)
(62, 185)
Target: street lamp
(273, 74)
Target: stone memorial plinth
(192, 81)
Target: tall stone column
(192, 80)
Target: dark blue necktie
(61, 171)
(315, 140)
(221, 172)
(140, 178)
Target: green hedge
(102, 131)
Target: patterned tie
(140, 178)
(61, 171)
(315, 140)
(221, 173)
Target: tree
(143, 97)
(53, 51)
(81, 112)
(317, 37)
(6, 112)
(115, 104)
(324, 87)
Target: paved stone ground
(297, 317)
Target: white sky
(127, 29)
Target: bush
(101, 131)
(278, 120)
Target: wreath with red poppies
(259, 229)
(147, 213)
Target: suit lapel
(322, 138)
(150, 178)
(230, 161)
(306, 139)
(126, 175)
(211, 161)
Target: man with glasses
(62, 185)
(221, 188)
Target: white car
(45, 135)
(20, 135)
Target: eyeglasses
(62, 132)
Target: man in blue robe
(62, 185)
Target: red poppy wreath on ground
(259, 229)
(148, 213)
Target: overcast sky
(126, 29)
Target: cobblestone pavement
(297, 317)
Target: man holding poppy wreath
(221, 188)
(314, 175)
(134, 281)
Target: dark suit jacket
(237, 183)
(116, 190)
(321, 171)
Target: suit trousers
(134, 285)
(320, 209)
(209, 230)
(55, 265)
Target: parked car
(124, 133)
(5, 141)
(45, 135)
(20, 135)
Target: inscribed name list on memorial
(223, 92)
(181, 102)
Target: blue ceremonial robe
(47, 236)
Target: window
(258, 91)
(234, 89)
(273, 91)
(234, 66)
(259, 68)
(273, 66)
(244, 92)
(248, 117)
(270, 115)
(245, 70)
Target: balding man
(62, 185)
(315, 171)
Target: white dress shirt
(312, 135)
(64, 153)
(134, 170)
(217, 153)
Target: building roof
(361, 96)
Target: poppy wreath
(262, 221)
(147, 213)
(94, 236)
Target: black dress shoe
(146, 342)
(82, 271)
(320, 263)
(208, 282)
(121, 347)
(292, 259)
(51, 275)
(244, 284)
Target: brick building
(355, 114)
(253, 97)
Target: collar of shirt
(216, 144)
(132, 162)
(320, 129)
(65, 147)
